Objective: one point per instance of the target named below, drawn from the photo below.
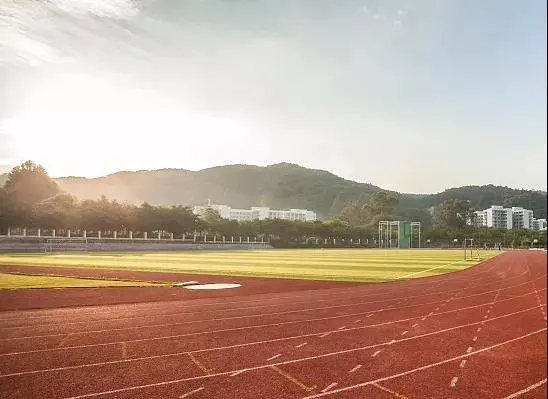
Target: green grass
(317, 264)
(15, 281)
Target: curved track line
(329, 294)
(426, 366)
(272, 325)
(525, 390)
(135, 359)
(367, 286)
(310, 358)
(258, 315)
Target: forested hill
(279, 186)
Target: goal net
(66, 244)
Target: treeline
(30, 198)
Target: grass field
(317, 264)
(12, 281)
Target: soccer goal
(471, 251)
(66, 244)
(399, 234)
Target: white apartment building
(507, 218)
(256, 213)
(498, 217)
(522, 218)
(479, 219)
(539, 224)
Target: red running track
(477, 333)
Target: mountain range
(281, 185)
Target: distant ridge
(282, 185)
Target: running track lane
(505, 298)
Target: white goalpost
(468, 246)
(399, 234)
(78, 244)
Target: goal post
(399, 234)
(64, 244)
(471, 252)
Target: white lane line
(260, 315)
(428, 366)
(186, 395)
(341, 328)
(423, 318)
(148, 309)
(427, 270)
(454, 381)
(234, 374)
(470, 349)
(394, 394)
(255, 326)
(355, 368)
(405, 332)
(325, 334)
(274, 357)
(357, 321)
(525, 390)
(332, 385)
(369, 315)
(301, 345)
(262, 342)
(376, 353)
(415, 325)
(462, 363)
(204, 350)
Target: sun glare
(80, 120)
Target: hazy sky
(415, 96)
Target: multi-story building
(498, 217)
(256, 213)
(522, 218)
(479, 219)
(507, 218)
(539, 224)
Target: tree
(354, 214)
(27, 185)
(381, 205)
(6, 211)
(59, 211)
(212, 216)
(452, 213)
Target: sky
(414, 96)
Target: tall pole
(379, 234)
(411, 237)
(379, 231)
